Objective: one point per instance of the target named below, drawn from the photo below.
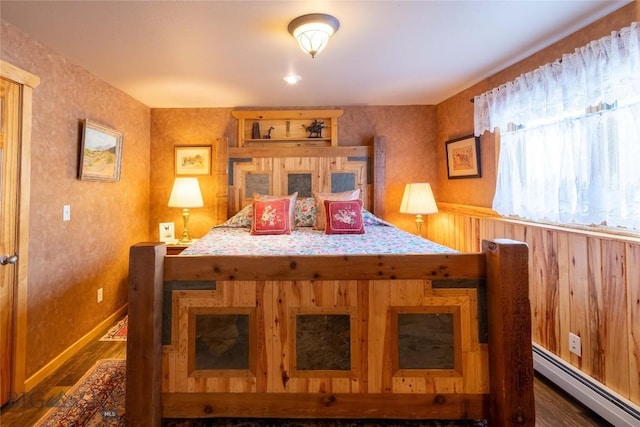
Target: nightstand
(174, 249)
(177, 248)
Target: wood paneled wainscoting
(581, 281)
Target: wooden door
(9, 144)
(9, 106)
(15, 136)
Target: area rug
(97, 399)
(117, 332)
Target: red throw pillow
(321, 220)
(344, 217)
(271, 217)
(292, 205)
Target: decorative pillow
(240, 220)
(271, 216)
(292, 204)
(344, 217)
(305, 212)
(321, 197)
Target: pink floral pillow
(344, 217)
(271, 217)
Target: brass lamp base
(186, 238)
(419, 222)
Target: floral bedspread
(377, 239)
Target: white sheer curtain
(570, 136)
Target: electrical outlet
(100, 295)
(66, 213)
(575, 346)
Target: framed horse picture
(463, 157)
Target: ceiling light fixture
(313, 31)
(291, 79)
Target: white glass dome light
(313, 31)
(291, 79)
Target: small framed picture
(167, 232)
(100, 153)
(463, 157)
(193, 160)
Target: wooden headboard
(282, 170)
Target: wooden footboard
(388, 336)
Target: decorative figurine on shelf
(315, 129)
(268, 134)
(255, 131)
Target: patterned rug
(97, 399)
(117, 332)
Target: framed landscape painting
(100, 153)
(193, 160)
(463, 157)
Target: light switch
(66, 213)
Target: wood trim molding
(96, 332)
(285, 114)
(614, 233)
(17, 75)
(469, 210)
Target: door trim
(28, 82)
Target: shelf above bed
(287, 128)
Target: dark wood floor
(553, 407)
(26, 411)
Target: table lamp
(185, 194)
(418, 200)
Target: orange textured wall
(173, 127)
(68, 261)
(409, 131)
(455, 115)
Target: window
(570, 140)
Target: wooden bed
(370, 300)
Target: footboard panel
(332, 337)
(322, 405)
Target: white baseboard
(605, 402)
(50, 367)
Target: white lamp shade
(418, 199)
(186, 194)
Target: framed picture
(100, 153)
(193, 160)
(463, 157)
(167, 232)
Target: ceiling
(191, 54)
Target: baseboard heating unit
(605, 402)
